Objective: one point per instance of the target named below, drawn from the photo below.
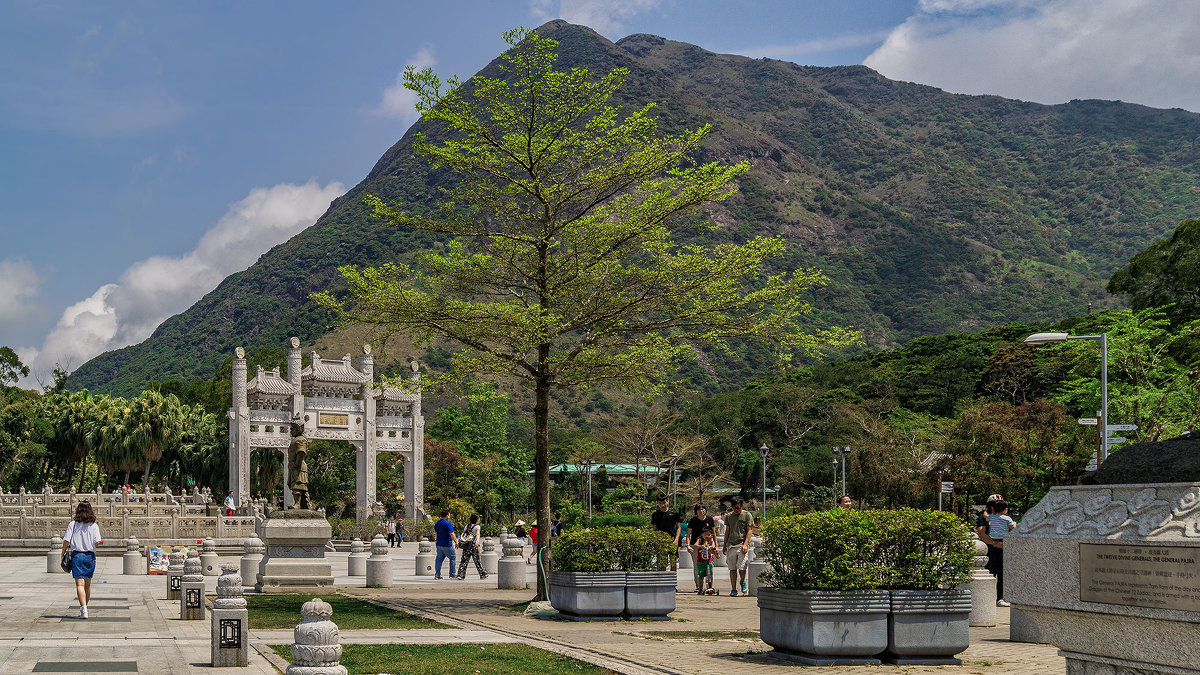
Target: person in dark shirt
(699, 522)
(666, 520)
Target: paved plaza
(133, 628)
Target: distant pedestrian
(81, 538)
(706, 550)
(738, 527)
(469, 541)
(391, 533)
(845, 502)
(557, 527)
(533, 541)
(519, 534)
(699, 522)
(229, 507)
(445, 541)
(667, 520)
(47, 491)
(399, 529)
(999, 524)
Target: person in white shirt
(81, 538)
(229, 507)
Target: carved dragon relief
(1117, 512)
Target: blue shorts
(83, 564)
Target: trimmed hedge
(842, 550)
(613, 549)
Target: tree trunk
(146, 479)
(541, 462)
(82, 471)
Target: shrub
(841, 550)
(827, 550)
(613, 549)
(620, 520)
(924, 550)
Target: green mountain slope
(932, 212)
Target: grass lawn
(283, 611)
(702, 634)
(456, 659)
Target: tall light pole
(587, 470)
(776, 496)
(1043, 338)
(671, 479)
(841, 452)
(763, 451)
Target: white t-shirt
(83, 536)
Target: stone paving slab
(416, 636)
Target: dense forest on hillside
(930, 212)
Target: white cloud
(19, 283)
(1051, 51)
(398, 102)
(607, 17)
(152, 290)
(802, 48)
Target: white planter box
(650, 594)
(929, 627)
(600, 594)
(824, 627)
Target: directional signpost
(1122, 427)
(1109, 441)
(1089, 421)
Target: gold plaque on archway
(333, 420)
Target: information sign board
(947, 486)
(1143, 575)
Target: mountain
(931, 212)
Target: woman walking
(81, 538)
(470, 546)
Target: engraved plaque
(193, 597)
(174, 580)
(231, 634)
(333, 420)
(1140, 575)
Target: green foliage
(620, 520)
(923, 550)
(1165, 274)
(628, 497)
(833, 550)
(613, 549)
(11, 368)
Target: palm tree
(113, 448)
(155, 423)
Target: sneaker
(1003, 603)
(83, 612)
(437, 577)
(733, 592)
(743, 588)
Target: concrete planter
(928, 627)
(588, 594)
(824, 628)
(650, 594)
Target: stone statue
(298, 468)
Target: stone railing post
(221, 523)
(191, 589)
(54, 556)
(356, 564)
(174, 574)
(125, 524)
(252, 555)
(983, 589)
(425, 558)
(489, 558)
(317, 649)
(208, 558)
(21, 524)
(379, 565)
(230, 622)
(174, 526)
(511, 568)
(131, 562)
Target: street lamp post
(763, 451)
(776, 496)
(587, 470)
(671, 479)
(1043, 338)
(835, 482)
(841, 452)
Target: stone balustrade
(125, 525)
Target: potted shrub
(612, 571)
(927, 556)
(824, 603)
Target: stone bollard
(983, 589)
(685, 561)
(131, 562)
(511, 568)
(425, 558)
(503, 536)
(191, 589)
(489, 558)
(208, 559)
(379, 565)
(356, 564)
(230, 632)
(316, 650)
(174, 573)
(54, 556)
(252, 555)
(719, 559)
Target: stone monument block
(230, 633)
(1110, 574)
(295, 561)
(356, 564)
(379, 565)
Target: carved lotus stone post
(512, 568)
(191, 589)
(983, 589)
(489, 558)
(425, 558)
(208, 558)
(379, 565)
(316, 649)
(174, 574)
(252, 555)
(356, 564)
(54, 556)
(230, 622)
(131, 561)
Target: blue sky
(151, 149)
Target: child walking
(706, 551)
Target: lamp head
(1043, 338)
